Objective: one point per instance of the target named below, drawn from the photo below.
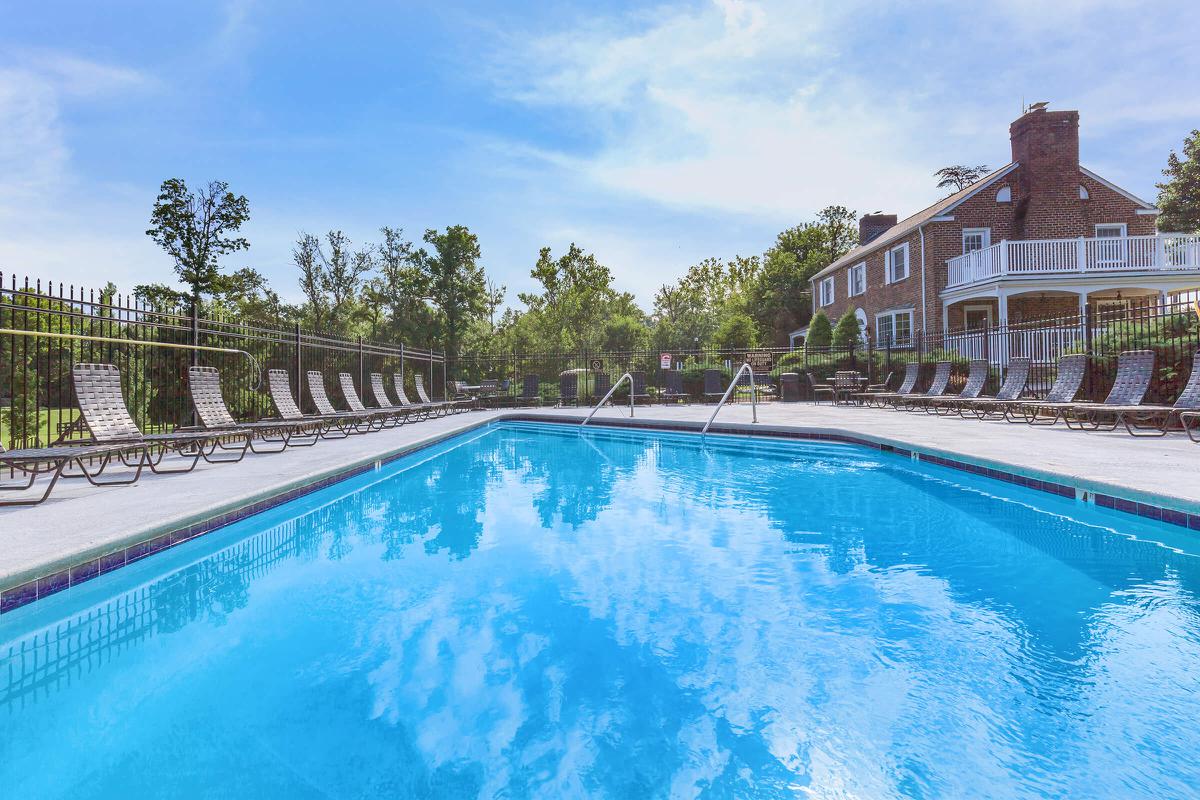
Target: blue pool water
(536, 611)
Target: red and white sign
(664, 361)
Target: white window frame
(826, 287)
(1113, 253)
(889, 272)
(984, 234)
(881, 340)
(859, 269)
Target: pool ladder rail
(745, 368)
(604, 399)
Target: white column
(1162, 298)
(1002, 297)
(945, 317)
(1082, 303)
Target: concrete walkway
(81, 522)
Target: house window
(826, 288)
(897, 263)
(856, 279)
(976, 239)
(1004, 195)
(1107, 230)
(894, 328)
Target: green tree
(331, 281)
(820, 334)
(694, 307)
(457, 286)
(196, 229)
(1179, 195)
(847, 332)
(736, 332)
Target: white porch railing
(1164, 251)
(1041, 345)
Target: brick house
(1041, 236)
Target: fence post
(299, 369)
(361, 389)
(1087, 349)
(195, 359)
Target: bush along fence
(44, 330)
(1171, 330)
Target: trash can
(789, 387)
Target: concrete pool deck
(82, 530)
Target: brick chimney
(870, 226)
(1047, 205)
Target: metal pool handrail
(733, 383)
(604, 399)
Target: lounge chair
(600, 386)
(531, 394)
(1155, 420)
(639, 388)
(451, 405)
(355, 421)
(53, 461)
(568, 389)
(936, 390)
(103, 411)
(428, 409)
(204, 387)
(1062, 393)
(332, 426)
(977, 374)
(882, 386)
(714, 390)
(386, 417)
(384, 403)
(907, 386)
(673, 388)
(1134, 370)
(1015, 380)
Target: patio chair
(354, 421)
(489, 391)
(568, 389)
(907, 386)
(279, 386)
(387, 417)
(819, 389)
(383, 402)
(204, 387)
(454, 406)
(530, 391)
(104, 413)
(53, 461)
(600, 386)
(882, 386)
(846, 384)
(639, 387)
(1015, 380)
(673, 388)
(714, 389)
(977, 375)
(426, 408)
(1155, 420)
(1066, 385)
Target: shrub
(820, 334)
(847, 333)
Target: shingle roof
(909, 224)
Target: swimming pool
(539, 611)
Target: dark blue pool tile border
(38, 588)
(17, 596)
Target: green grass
(48, 422)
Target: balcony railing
(1164, 251)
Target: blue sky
(652, 134)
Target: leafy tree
(331, 281)
(196, 229)
(847, 332)
(694, 307)
(402, 288)
(820, 334)
(1179, 195)
(959, 176)
(736, 332)
(457, 287)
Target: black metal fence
(44, 330)
(1170, 329)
